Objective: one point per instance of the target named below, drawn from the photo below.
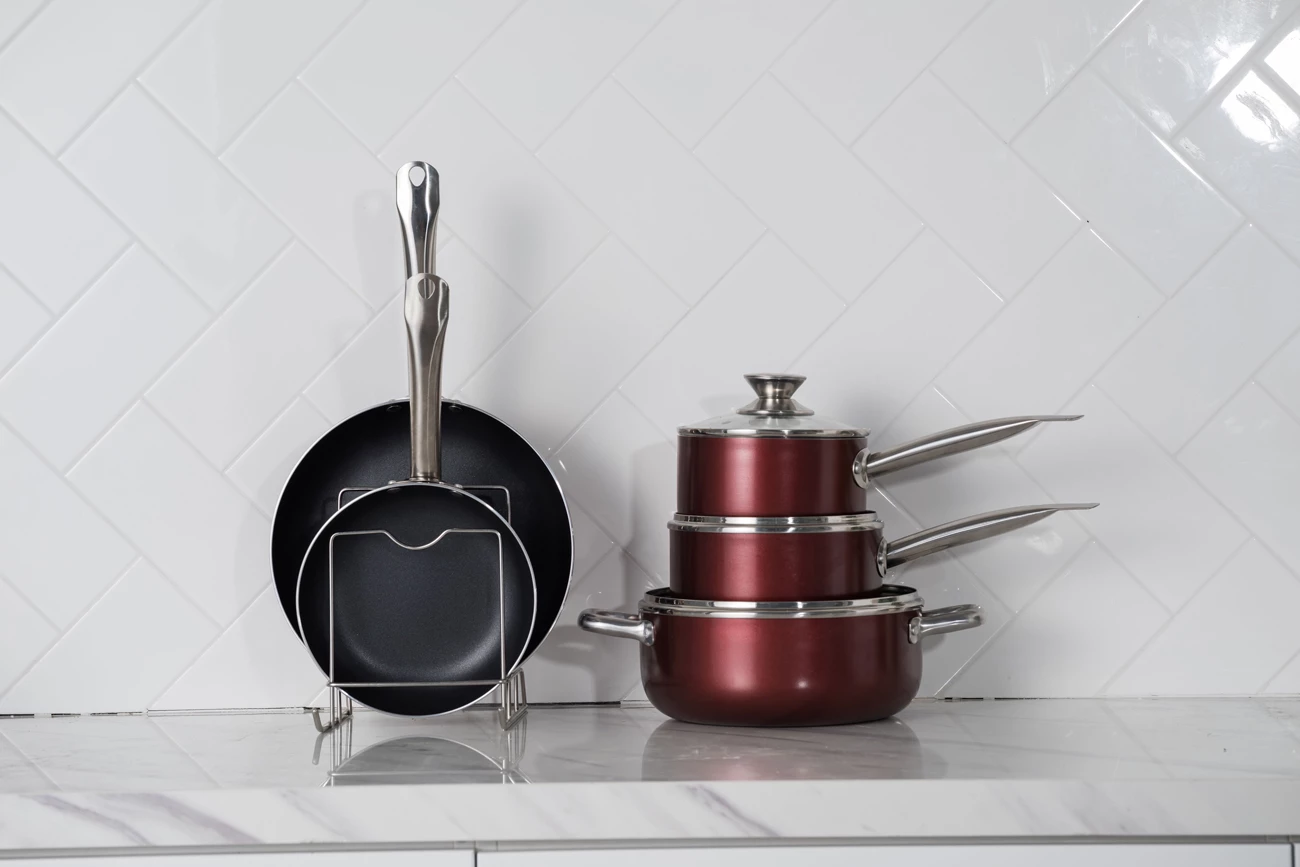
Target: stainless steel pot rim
(889, 599)
(854, 522)
(781, 433)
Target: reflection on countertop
(1090, 740)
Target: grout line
(1275, 675)
(609, 75)
(401, 127)
(929, 65)
(24, 24)
(167, 366)
(18, 591)
(1085, 63)
(131, 79)
(1173, 615)
(219, 151)
(183, 751)
(63, 633)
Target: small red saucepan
(828, 662)
(774, 457)
(817, 557)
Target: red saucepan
(828, 662)
(818, 557)
(773, 457)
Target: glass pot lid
(773, 413)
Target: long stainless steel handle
(617, 624)
(417, 207)
(954, 618)
(425, 308)
(868, 465)
(965, 530)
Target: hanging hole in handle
(417, 174)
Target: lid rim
(890, 599)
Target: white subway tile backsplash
(243, 371)
(680, 76)
(1018, 54)
(857, 57)
(554, 371)
(1147, 499)
(937, 211)
(550, 54)
(99, 357)
(1170, 53)
(1225, 456)
(1087, 298)
(54, 548)
(330, 190)
(695, 372)
(181, 513)
(176, 197)
(967, 185)
(109, 660)
(69, 61)
(1196, 351)
(1250, 144)
(392, 56)
(489, 180)
(1118, 175)
(1224, 637)
(897, 336)
(649, 189)
(41, 202)
(237, 54)
(812, 193)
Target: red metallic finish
(768, 476)
(781, 671)
(773, 567)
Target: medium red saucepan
(828, 662)
(817, 557)
(774, 457)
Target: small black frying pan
(417, 584)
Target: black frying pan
(479, 452)
(417, 584)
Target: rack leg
(514, 700)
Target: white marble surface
(1005, 769)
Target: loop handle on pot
(954, 618)
(972, 529)
(617, 624)
(868, 465)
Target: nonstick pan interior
(373, 448)
(433, 615)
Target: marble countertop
(1227, 768)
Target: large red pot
(781, 663)
(774, 457)
(816, 557)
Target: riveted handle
(954, 618)
(617, 624)
(869, 465)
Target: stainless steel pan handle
(618, 625)
(868, 465)
(425, 308)
(965, 530)
(954, 618)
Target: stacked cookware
(778, 612)
(422, 549)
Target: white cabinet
(1055, 855)
(434, 858)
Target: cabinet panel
(435, 858)
(1055, 855)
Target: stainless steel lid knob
(775, 395)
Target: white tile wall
(937, 211)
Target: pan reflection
(678, 751)
(422, 760)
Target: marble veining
(1058, 768)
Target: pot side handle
(954, 618)
(617, 624)
(868, 465)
